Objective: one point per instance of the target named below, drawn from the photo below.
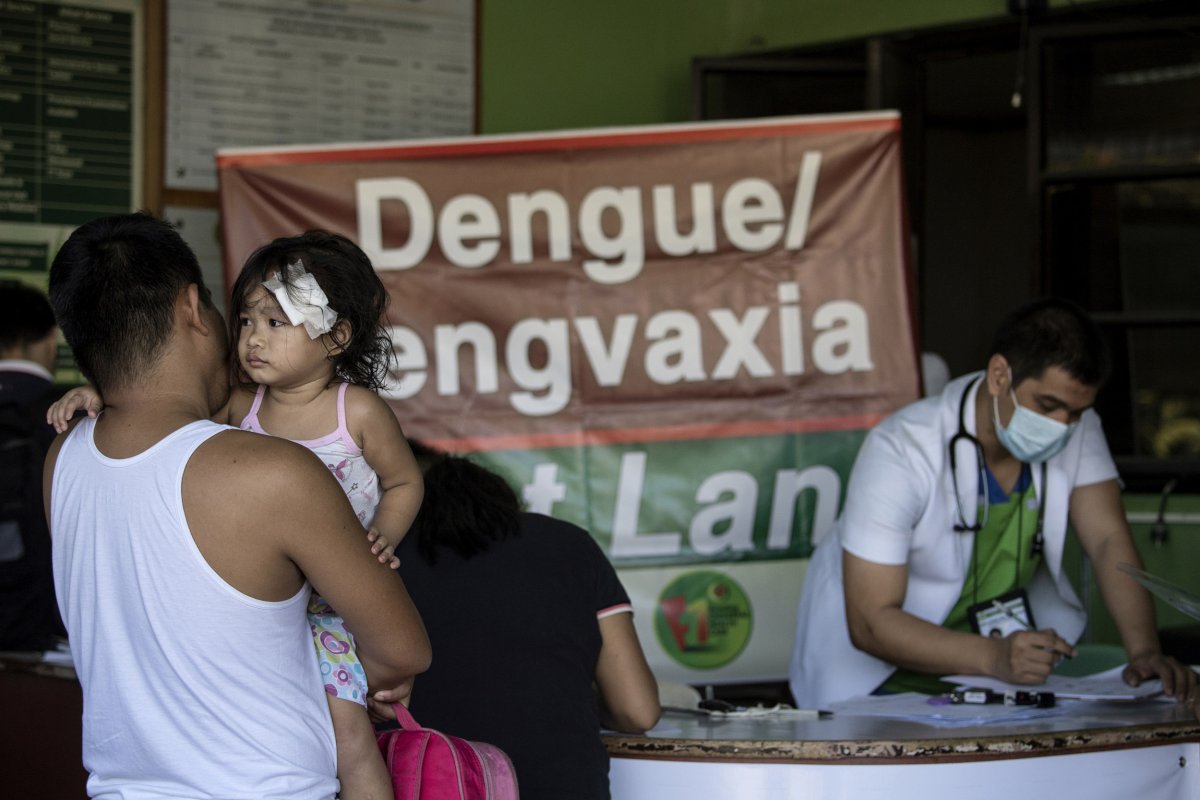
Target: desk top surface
(35, 664)
(846, 738)
(849, 739)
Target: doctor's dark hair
(354, 290)
(113, 286)
(1052, 332)
(466, 507)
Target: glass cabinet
(1115, 169)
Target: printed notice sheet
(243, 74)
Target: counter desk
(1094, 750)
(41, 753)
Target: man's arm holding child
(267, 514)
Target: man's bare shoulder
(247, 496)
(267, 462)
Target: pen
(1006, 611)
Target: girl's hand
(382, 548)
(379, 704)
(64, 408)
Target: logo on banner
(703, 619)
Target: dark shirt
(515, 640)
(29, 618)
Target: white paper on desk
(60, 655)
(1106, 685)
(917, 708)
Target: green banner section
(696, 501)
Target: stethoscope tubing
(962, 435)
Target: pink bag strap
(405, 718)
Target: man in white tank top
(184, 551)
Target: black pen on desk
(809, 713)
(1006, 611)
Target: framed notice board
(311, 72)
(294, 72)
(69, 110)
(70, 128)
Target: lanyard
(963, 437)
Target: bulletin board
(305, 72)
(294, 72)
(71, 126)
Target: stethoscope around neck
(981, 519)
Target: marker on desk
(809, 713)
(1006, 611)
(722, 708)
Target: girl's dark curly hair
(355, 293)
(466, 506)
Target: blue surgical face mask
(1031, 437)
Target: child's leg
(360, 767)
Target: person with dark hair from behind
(955, 522)
(526, 615)
(29, 618)
(185, 551)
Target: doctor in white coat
(902, 558)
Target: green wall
(555, 64)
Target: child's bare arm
(87, 398)
(373, 424)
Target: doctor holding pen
(947, 558)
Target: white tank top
(191, 689)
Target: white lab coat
(900, 509)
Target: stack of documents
(916, 707)
(1103, 686)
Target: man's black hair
(113, 286)
(1053, 332)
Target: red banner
(614, 285)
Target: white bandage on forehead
(302, 300)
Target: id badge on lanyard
(1002, 615)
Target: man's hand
(1178, 681)
(1029, 656)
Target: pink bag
(428, 765)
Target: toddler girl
(306, 315)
